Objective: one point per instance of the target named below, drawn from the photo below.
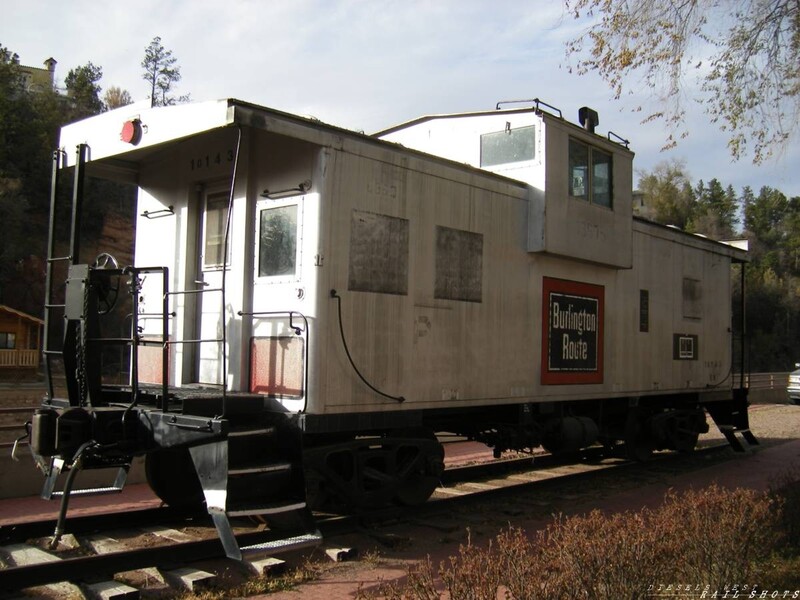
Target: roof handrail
(536, 102)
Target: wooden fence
(19, 358)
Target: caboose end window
(216, 220)
(277, 254)
(508, 146)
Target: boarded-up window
(692, 298)
(644, 311)
(378, 254)
(459, 265)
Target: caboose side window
(277, 246)
(601, 178)
(509, 146)
(590, 172)
(578, 170)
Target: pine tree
(83, 90)
(161, 73)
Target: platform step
(283, 545)
(262, 508)
(730, 435)
(256, 431)
(98, 491)
(258, 468)
(49, 492)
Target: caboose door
(210, 309)
(278, 348)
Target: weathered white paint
(434, 352)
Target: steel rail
(82, 524)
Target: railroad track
(461, 486)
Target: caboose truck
(309, 306)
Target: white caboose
(480, 274)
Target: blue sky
(366, 64)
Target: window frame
(223, 198)
(508, 131)
(8, 337)
(590, 193)
(262, 205)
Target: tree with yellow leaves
(744, 54)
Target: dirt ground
(17, 395)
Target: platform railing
(763, 381)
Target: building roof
(8, 309)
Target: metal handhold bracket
(158, 214)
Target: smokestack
(588, 118)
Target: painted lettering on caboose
(572, 343)
(573, 333)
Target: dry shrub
(715, 537)
(472, 575)
(419, 584)
(529, 569)
(617, 556)
(785, 489)
(720, 534)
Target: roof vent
(588, 118)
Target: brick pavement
(132, 497)
(138, 496)
(755, 470)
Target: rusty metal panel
(276, 365)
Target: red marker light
(131, 131)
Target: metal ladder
(256, 472)
(56, 465)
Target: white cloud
(363, 64)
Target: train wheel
(611, 446)
(172, 476)
(419, 467)
(639, 441)
(404, 467)
(685, 428)
(685, 441)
